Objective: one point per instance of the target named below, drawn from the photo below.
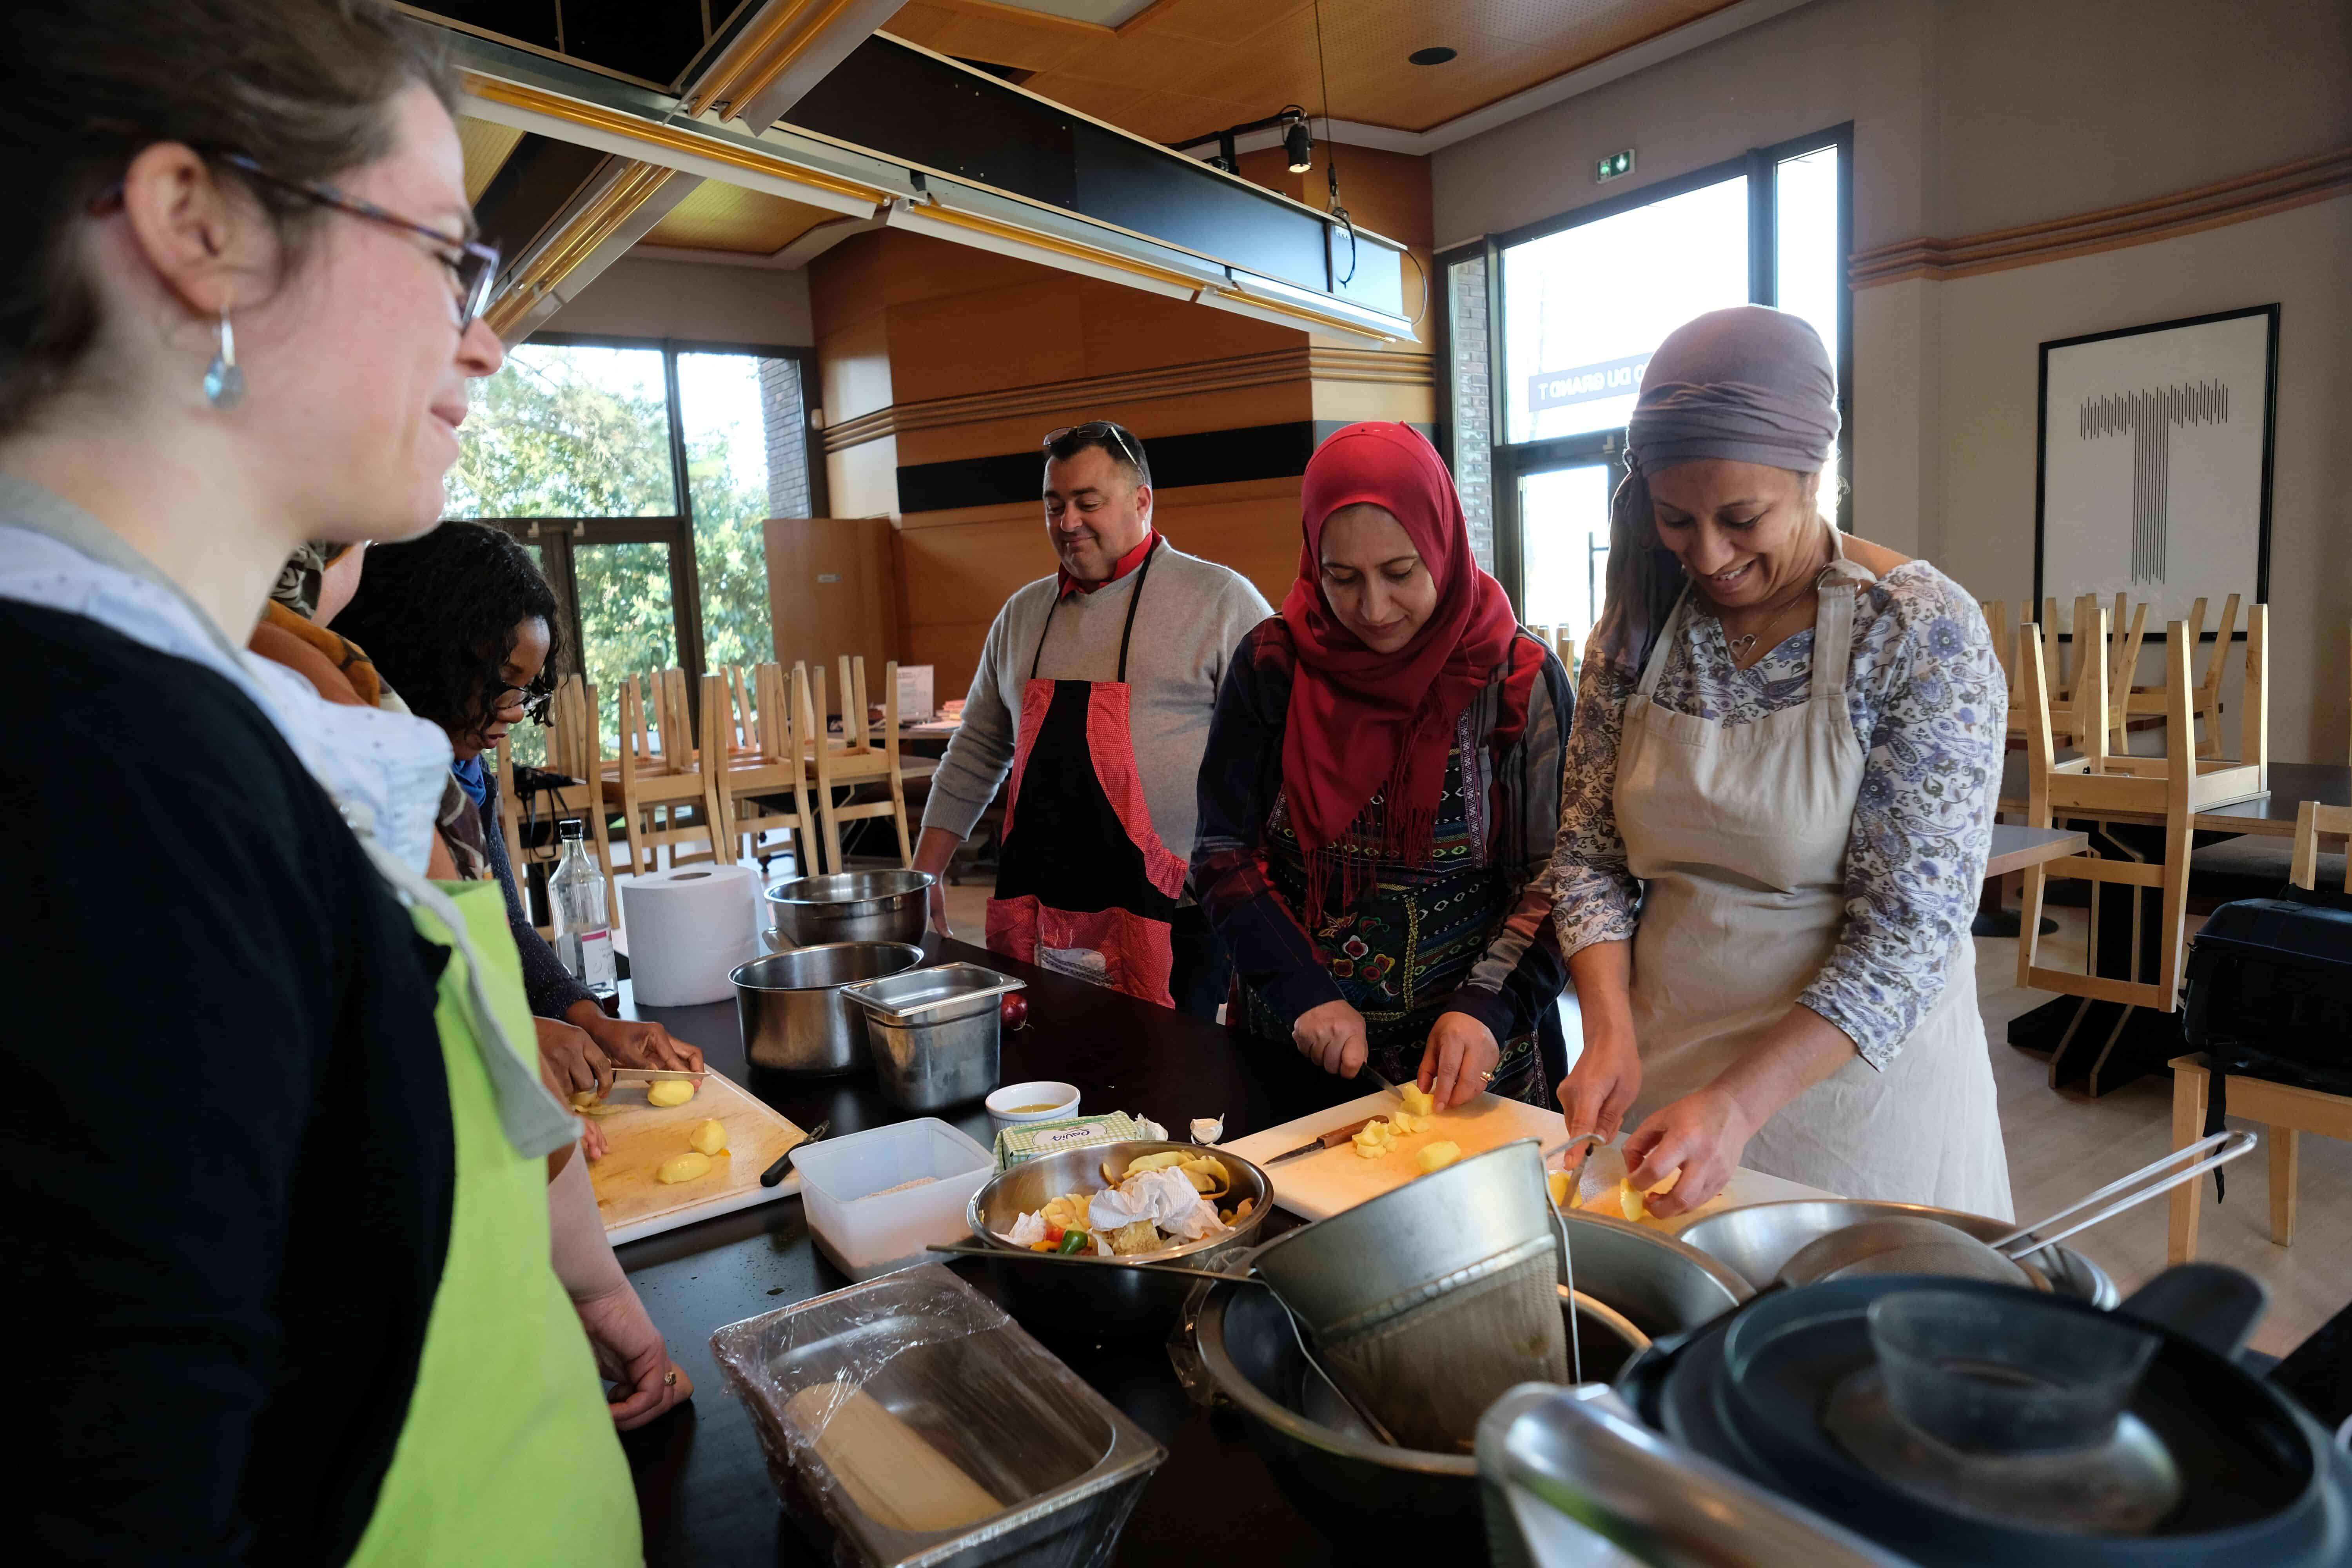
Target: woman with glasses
(460, 623)
(282, 1238)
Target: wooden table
(2272, 815)
(702, 1485)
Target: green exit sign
(1614, 165)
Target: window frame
(1511, 461)
(558, 536)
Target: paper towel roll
(689, 929)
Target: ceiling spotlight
(1437, 55)
(1300, 145)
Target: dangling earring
(224, 383)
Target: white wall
(712, 302)
(1977, 115)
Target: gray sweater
(1192, 615)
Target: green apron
(509, 1454)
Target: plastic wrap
(909, 1421)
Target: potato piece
(1629, 1201)
(1558, 1181)
(1376, 1128)
(583, 1099)
(709, 1137)
(687, 1167)
(667, 1091)
(1372, 1150)
(1438, 1156)
(1418, 1101)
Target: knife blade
(1332, 1139)
(1374, 1074)
(655, 1075)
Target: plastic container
(1004, 1107)
(865, 1227)
(2003, 1374)
(908, 1423)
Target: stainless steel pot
(1113, 1300)
(854, 906)
(793, 1015)
(1757, 1240)
(935, 1034)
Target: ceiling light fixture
(1435, 56)
(1298, 141)
(1300, 145)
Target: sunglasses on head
(1098, 429)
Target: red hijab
(1361, 721)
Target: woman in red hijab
(1381, 793)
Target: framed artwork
(2153, 473)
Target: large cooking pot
(1338, 1475)
(1792, 1394)
(1111, 1300)
(852, 906)
(793, 1015)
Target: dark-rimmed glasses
(1100, 428)
(475, 266)
(533, 699)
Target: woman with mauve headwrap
(1779, 802)
(1380, 794)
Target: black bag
(2270, 996)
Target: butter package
(1028, 1140)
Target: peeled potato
(1629, 1201)
(1558, 1181)
(1372, 1150)
(709, 1137)
(670, 1091)
(1438, 1156)
(685, 1168)
(1418, 1101)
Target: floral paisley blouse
(1930, 709)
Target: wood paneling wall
(930, 353)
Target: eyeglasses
(533, 699)
(1099, 429)
(474, 268)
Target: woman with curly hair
(462, 625)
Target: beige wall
(1977, 115)
(709, 302)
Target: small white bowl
(1060, 1100)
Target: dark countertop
(702, 1483)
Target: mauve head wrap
(1749, 385)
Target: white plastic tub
(865, 1229)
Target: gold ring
(669, 1378)
(1485, 1077)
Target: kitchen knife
(1332, 1139)
(1374, 1074)
(774, 1175)
(654, 1075)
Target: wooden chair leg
(2191, 1085)
(2286, 1145)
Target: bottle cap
(569, 828)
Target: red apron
(1084, 885)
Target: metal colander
(1431, 1299)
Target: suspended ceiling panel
(1182, 67)
(720, 216)
(487, 147)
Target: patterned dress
(1927, 697)
(1468, 932)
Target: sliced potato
(709, 1137)
(1418, 1102)
(684, 1168)
(1558, 1181)
(1438, 1156)
(668, 1091)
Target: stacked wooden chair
(747, 799)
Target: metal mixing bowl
(852, 906)
(1110, 1299)
(1757, 1240)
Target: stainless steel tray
(918, 991)
(951, 1365)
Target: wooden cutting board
(642, 1136)
(1317, 1186)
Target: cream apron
(1738, 833)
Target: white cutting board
(1318, 1185)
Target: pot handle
(2214, 1305)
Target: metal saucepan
(1112, 1301)
(854, 906)
(935, 1033)
(1758, 1240)
(793, 1015)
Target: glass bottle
(584, 930)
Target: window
(639, 475)
(1581, 302)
